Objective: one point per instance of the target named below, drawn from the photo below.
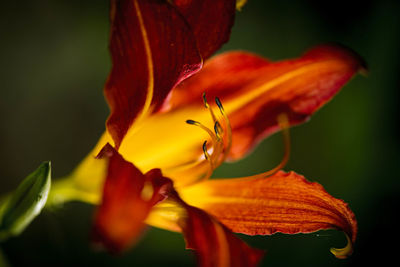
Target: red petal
(128, 197)
(210, 20)
(213, 243)
(152, 49)
(254, 91)
(283, 202)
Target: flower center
(216, 152)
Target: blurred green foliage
(54, 64)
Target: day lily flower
(164, 137)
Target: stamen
(218, 149)
(228, 129)
(205, 100)
(225, 132)
(283, 122)
(219, 104)
(192, 122)
(214, 118)
(215, 140)
(218, 129)
(217, 135)
(206, 154)
(219, 146)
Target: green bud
(26, 202)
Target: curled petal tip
(343, 253)
(362, 66)
(364, 70)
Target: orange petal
(255, 91)
(213, 244)
(128, 197)
(210, 20)
(152, 49)
(284, 202)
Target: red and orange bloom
(153, 168)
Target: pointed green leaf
(26, 202)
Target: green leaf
(26, 202)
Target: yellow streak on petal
(258, 91)
(150, 67)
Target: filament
(207, 106)
(283, 123)
(207, 156)
(228, 129)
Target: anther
(215, 139)
(228, 128)
(192, 122)
(219, 104)
(210, 161)
(205, 100)
(206, 154)
(218, 129)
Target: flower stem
(65, 190)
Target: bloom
(154, 169)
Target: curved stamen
(207, 106)
(218, 151)
(283, 122)
(210, 133)
(218, 129)
(228, 129)
(207, 156)
(217, 145)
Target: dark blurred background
(54, 62)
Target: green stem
(62, 190)
(65, 190)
